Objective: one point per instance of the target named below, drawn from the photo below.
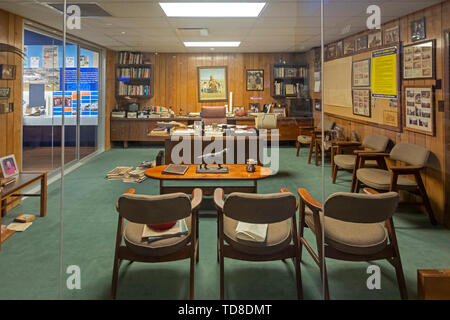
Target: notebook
(152, 235)
(251, 231)
(175, 169)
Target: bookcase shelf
(134, 76)
(289, 81)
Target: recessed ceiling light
(212, 9)
(212, 43)
(123, 32)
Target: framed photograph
(391, 35)
(361, 42)
(419, 109)
(7, 72)
(317, 105)
(361, 102)
(331, 51)
(6, 107)
(349, 46)
(340, 49)
(419, 60)
(255, 80)
(281, 112)
(361, 73)
(4, 93)
(9, 166)
(212, 83)
(375, 39)
(418, 31)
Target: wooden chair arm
(347, 143)
(357, 152)
(406, 170)
(129, 191)
(373, 155)
(287, 190)
(219, 196)
(308, 199)
(370, 191)
(197, 198)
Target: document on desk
(251, 231)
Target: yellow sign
(384, 73)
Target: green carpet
(29, 260)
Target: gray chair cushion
(133, 240)
(347, 161)
(376, 142)
(304, 139)
(278, 237)
(381, 179)
(350, 237)
(410, 153)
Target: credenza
(126, 129)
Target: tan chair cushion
(133, 240)
(278, 237)
(381, 179)
(304, 139)
(350, 237)
(347, 161)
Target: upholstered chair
(278, 210)
(395, 178)
(355, 227)
(141, 210)
(344, 161)
(212, 115)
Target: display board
(385, 73)
(337, 81)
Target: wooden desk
(236, 172)
(24, 180)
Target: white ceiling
(283, 25)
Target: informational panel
(384, 73)
(337, 82)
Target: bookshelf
(289, 81)
(134, 76)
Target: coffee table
(237, 172)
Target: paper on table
(251, 231)
(19, 226)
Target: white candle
(231, 102)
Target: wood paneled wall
(435, 175)
(11, 32)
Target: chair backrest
(361, 208)
(376, 142)
(410, 153)
(158, 209)
(214, 114)
(260, 208)
(327, 125)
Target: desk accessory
(203, 168)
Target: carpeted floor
(29, 260)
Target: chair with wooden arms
(141, 210)
(316, 139)
(305, 137)
(356, 227)
(278, 210)
(393, 178)
(345, 161)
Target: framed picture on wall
(349, 46)
(339, 49)
(255, 80)
(317, 105)
(361, 43)
(331, 51)
(419, 109)
(7, 72)
(4, 93)
(391, 35)
(418, 31)
(361, 102)
(212, 84)
(361, 73)
(419, 60)
(375, 39)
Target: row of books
(134, 73)
(126, 57)
(133, 90)
(290, 72)
(287, 89)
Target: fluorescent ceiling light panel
(212, 43)
(212, 9)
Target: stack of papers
(152, 235)
(127, 174)
(118, 173)
(137, 175)
(251, 231)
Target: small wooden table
(24, 180)
(237, 172)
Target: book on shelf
(251, 231)
(290, 72)
(126, 57)
(133, 73)
(151, 235)
(133, 90)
